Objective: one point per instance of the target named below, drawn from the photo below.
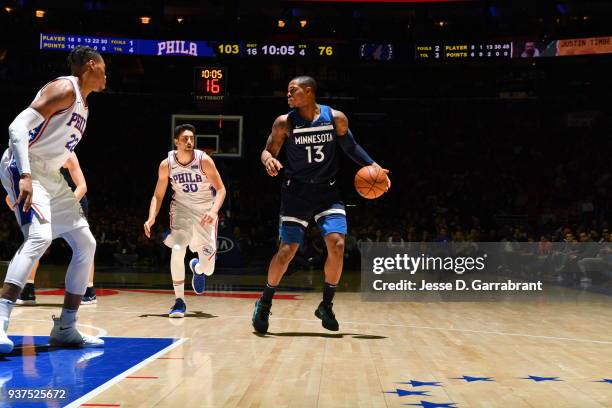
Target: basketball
(371, 182)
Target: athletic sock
(179, 290)
(268, 293)
(329, 291)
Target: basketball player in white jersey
(41, 138)
(75, 173)
(198, 193)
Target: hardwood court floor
(379, 346)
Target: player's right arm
(280, 132)
(158, 196)
(57, 96)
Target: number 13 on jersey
(318, 153)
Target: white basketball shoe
(69, 336)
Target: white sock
(6, 307)
(179, 290)
(68, 318)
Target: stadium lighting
(145, 20)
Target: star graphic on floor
(539, 379)
(474, 379)
(606, 380)
(416, 383)
(425, 404)
(403, 393)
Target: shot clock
(210, 83)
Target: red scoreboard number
(210, 83)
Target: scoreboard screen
(210, 84)
(463, 50)
(174, 47)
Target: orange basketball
(371, 182)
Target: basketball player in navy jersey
(310, 133)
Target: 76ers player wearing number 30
(310, 133)
(41, 139)
(197, 198)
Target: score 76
(326, 50)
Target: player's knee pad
(38, 239)
(83, 246)
(87, 243)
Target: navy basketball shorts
(301, 202)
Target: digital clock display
(253, 49)
(210, 84)
(289, 49)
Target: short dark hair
(79, 56)
(305, 80)
(181, 128)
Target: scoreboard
(463, 50)
(173, 47)
(327, 50)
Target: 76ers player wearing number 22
(42, 137)
(198, 193)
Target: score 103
(254, 49)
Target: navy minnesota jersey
(310, 148)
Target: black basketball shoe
(326, 314)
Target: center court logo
(412, 264)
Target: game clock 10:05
(210, 84)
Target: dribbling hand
(273, 166)
(147, 227)
(386, 171)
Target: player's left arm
(350, 146)
(208, 165)
(77, 176)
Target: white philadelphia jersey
(191, 187)
(54, 140)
